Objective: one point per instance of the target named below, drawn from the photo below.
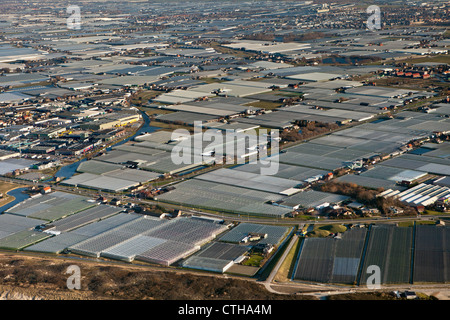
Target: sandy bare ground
(26, 276)
(8, 292)
(33, 276)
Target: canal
(19, 197)
(69, 170)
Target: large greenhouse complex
(415, 254)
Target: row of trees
(367, 197)
(361, 194)
(286, 38)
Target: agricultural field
(409, 83)
(326, 230)
(268, 105)
(144, 96)
(439, 58)
(224, 50)
(411, 223)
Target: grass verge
(287, 267)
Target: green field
(326, 230)
(411, 223)
(254, 260)
(238, 53)
(440, 58)
(144, 96)
(268, 105)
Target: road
(233, 217)
(267, 283)
(321, 291)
